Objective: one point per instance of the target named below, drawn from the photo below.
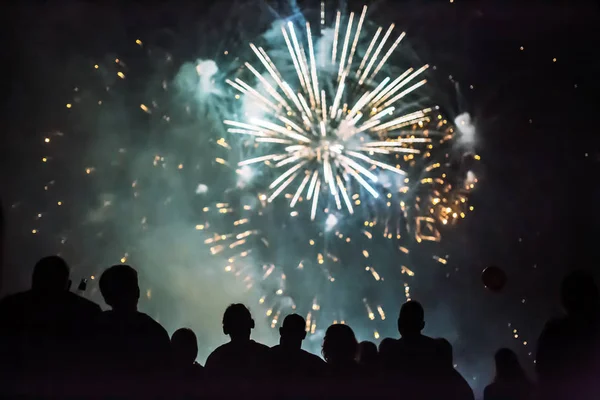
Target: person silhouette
(368, 362)
(340, 351)
(386, 347)
(187, 372)
(43, 329)
(449, 379)
(414, 354)
(130, 343)
(185, 350)
(287, 359)
(510, 382)
(242, 357)
(368, 355)
(568, 353)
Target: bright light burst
(323, 140)
(337, 133)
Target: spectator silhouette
(288, 360)
(242, 357)
(187, 371)
(451, 381)
(43, 329)
(368, 357)
(340, 350)
(387, 346)
(567, 360)
(511, 381)
(414, 354)
(130, 343)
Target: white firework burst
(321, 141)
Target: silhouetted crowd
(57, 344)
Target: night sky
(527, 72)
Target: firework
(371, 167)
(329, 141)
(341, 170)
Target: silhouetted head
(237, 322)
(445, 353)
(367, 353)
(411, 320)
(579, 294)
(119, 287)
(387, 345)
(185, 346)
(293, 331)
(50, 275)
(508, 366)
(339, 345)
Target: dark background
(536, 210)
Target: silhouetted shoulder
(421, 344)
(498, 391)
(12, 298)
(136, 322)
(81, 304)
(489, 393)
(316, 360)
(13, 311)
(237, 355)
(251, 347)
(15, 300)
(28, 298)
(151, 324)
(131, 342)
(214, 358)
(300, 358)
(552, 335)
(555, 326)
(261, 348)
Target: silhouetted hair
(508, 366)
(185, 345)
(237, 318)
(367, 352)
(386, 345)
(339, 344)
(412, 317)
(50, 274)
(119, 285)
(579, 293)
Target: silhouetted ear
(303, 335)
(281, 331)
(251, 324)
(137, 293)
(422, 325)
(69, 283)
(225, 330)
